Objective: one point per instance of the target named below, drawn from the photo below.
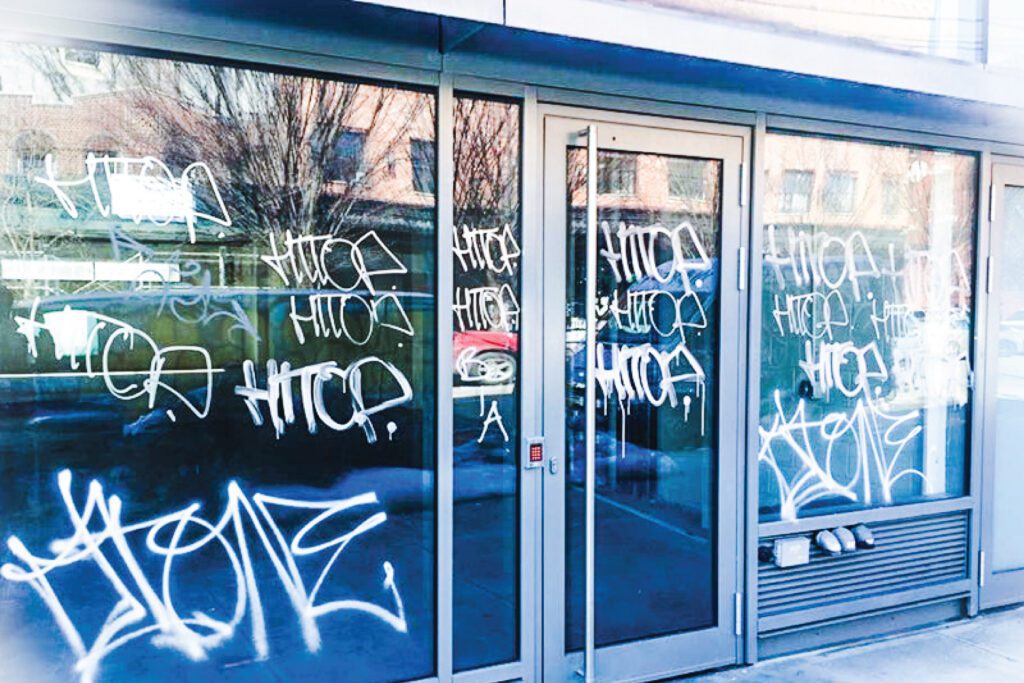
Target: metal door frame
(1002, 588)
(721, 645)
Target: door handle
(553, 464)
(589, 408)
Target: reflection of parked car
(485, 357)
(1011, 334)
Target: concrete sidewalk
(987, 649)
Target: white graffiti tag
(76, 332)
(493, 418)
(313, 380)
(486, 249)
(813, 315)
(656, 310)
(486, 308)
(647, 374)
(146, 608)
(336, 315)
(634, 252)
(142, 188)
(326, 261)
(804, 454)
(806, 258)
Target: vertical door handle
(591, 400)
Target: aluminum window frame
(970, 500)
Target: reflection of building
(867, 188)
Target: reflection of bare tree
(291, 152)
(486, 192)
(486, 154)
(282, 138)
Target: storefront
(368, 345)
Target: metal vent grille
(909, 554)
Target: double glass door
(642, 343)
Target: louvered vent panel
(909, 554)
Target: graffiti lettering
(144, 608)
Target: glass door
(643, 390)
(1003, 464)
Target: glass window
(840, 187)
(217, 367)
(686, 178)
(866, 327)
(1008, 505)
(486, 391)
(616, 174)
(422, 154)
(796, 191)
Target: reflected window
(892, 194)
(31, 150)
(867, 319)
(85, 57)
(840, 187)
(347, 163)
(796, 191)
(686, 178)
(422, 154)
(101, 148)
(616, 174)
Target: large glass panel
(657, 333)
(866, 326)
(218, 365)
(486, 391)
(954, 29)
(1007, 540)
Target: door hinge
(981, 569)
(741, 281)
(970, 380)
(738, 614)
(988, 275)
(743, 187)
(991, 201)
